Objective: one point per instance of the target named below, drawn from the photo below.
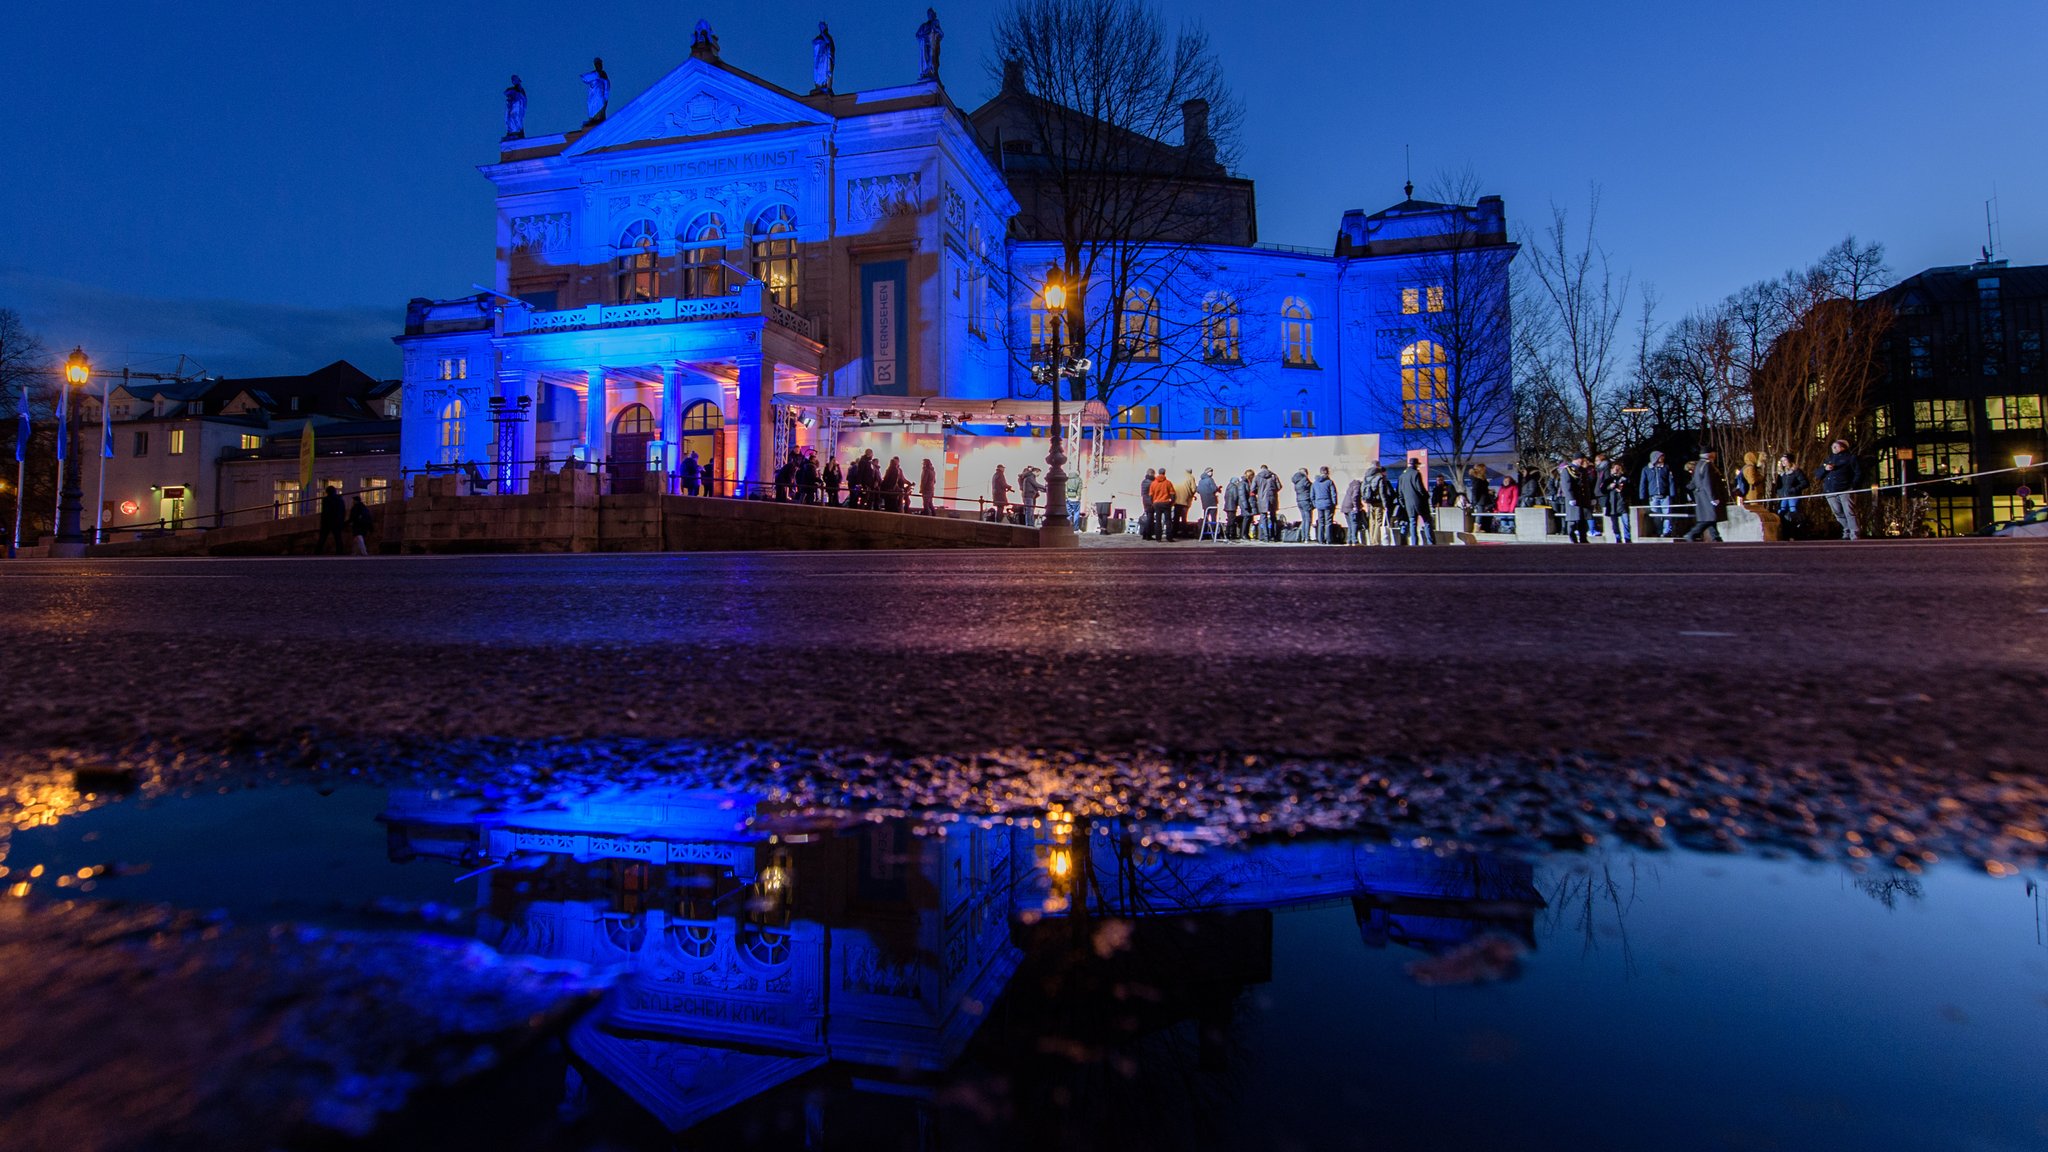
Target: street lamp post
(70, 539)
(1057, 531)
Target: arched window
(1220, 328)
(1425, 386)
(1141, 325)
(637, 277)
(775, 261)
(451, 432)
(703, 244)
(634, 420)
(1297, 334)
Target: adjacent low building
(1960, 388)
(177, 454)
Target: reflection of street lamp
(70, 540)
(1057, 531)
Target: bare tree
(1459, 398)
(24, 361)
(1570, 345)
(1118, 136)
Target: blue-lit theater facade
(725, 267)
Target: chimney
(1013, 77)
(1194, 131)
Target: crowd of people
(1592, 496)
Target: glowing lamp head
(2023, 460)
(77, 367)
(1055, 289)
(1061, 863)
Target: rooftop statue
(515, 110)
(703, 41)
(821, 61)
(600, 93)
(928, 36)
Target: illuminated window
(1297, 334)
(2013, 507)
(284, 497)
(177, 444)
(1950, 458)
(1880, 422)
(1941, 416)
(376, 490)
(1953, 515)
(1222, 423)
(1041, 334)
(703, 261)
(638, 276)
(1436, 298)
(1411, 301)
(1425, 386)
(1140, 422)
(1141, 325)
(775, 261)
(2012, 413)
(1300, 422)
(451, 433)
(454, 368)
(1820, 430)
(250, 441)
(1220, 328)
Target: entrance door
(632, 432)
(704, 433)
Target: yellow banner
(306, 458)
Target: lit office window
(2012, 413)
(1220, 328)
(703, 259)
(775, 262)
(451, 433)
(1425, 386)
(1141, 325)
(1297, 333)
(638, 276)
(1411, 301)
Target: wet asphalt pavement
(1931, 653)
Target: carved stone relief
(548, 232)
(878, 197)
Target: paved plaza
(1928, 651)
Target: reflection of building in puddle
(748, 958)
(744, 959)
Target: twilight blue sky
(263, 185)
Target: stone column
(671, 416)
(756, 432)
(593, 416)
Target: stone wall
(564, 513)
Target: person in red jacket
(1163, 493)
(1506, 498)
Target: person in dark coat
(807, 478)
(1236, 495)
(1614, 502)
(1709, 496)
(1207, 490)
(1304, 500)
(927, 483)
(831, 477)
(1033, 494)
(894, 485)
(1791, 486)
(1322, 494)
(689, 474)
(333, 521)
(1576, 489)
(1353, 508)
(785, 479)
(1656, 487)
(1146, 524)
(1266, 502)
(1840, 475)
(709, 477)
(1478, 490)
(1413, 493)
(359, 523)
(1441, 494)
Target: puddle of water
(1060, 983)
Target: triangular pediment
(699, 98)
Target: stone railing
(747, 301)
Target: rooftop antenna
(1408, 163)
(1990, 233)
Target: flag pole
(63, 409)
(20, 475)
(99, 515)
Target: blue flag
(106, 429)
(21, 428)
(63, 410)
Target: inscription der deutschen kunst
(703, 169)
